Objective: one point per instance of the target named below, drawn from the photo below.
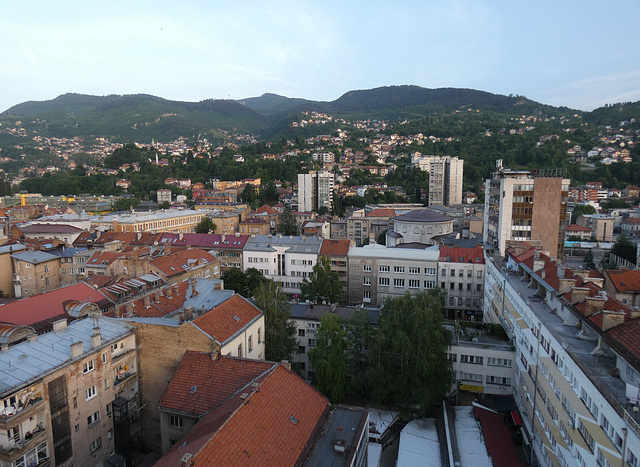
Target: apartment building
(462, 277)
(576, 369)
(159, 221)
(286, 260)
(315, 190)
(445, 178)
(601, 226)
(377, 272)
(57, 391)
(523, 208)
(34, 272)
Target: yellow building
(159, 221)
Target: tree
(280, 332)
(616, 203)
(249, 196)
(243, 283)
(206, 225)
(588, 260)
(328, 358)
(625, 248)
(409, 365)
(253, 280)
(358, 335)
(382, 237)
(287, 224)
(124, 204)
(582, 209)
(323, 285)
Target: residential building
(520, 207)
(377, 272)
(256, 421)
(184, 221)
(7, 278)
(58, 389)
(601, 226)
(286, 260)
(62, 232)
(445, 178)
(315, 190)
(338, 253)
(462, 278)
(228, 248)
(186, 264)
(254, 226)
(35, 272)
(575, 230)
(623, 284)
(576, 369)
(164, 196)
(630, 226)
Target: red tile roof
(577, 228)
(462, 255)
(266, 209)
(220, 322)
(174, 263)
(381, 212)
(47, 306)
(158, 304)
(273, 425)
(211, 241)
(335, 247)
(201, 383)
(632, 220)
(497, 438)
(624, 281)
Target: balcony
(11, 452)
(11, 416)
(123, 378)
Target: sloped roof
(632, 220)
(34, 257)
(44, 307)
(274, 425)
(178, 262)
(201, 382)
(462, 255)
(335, 247)
(422, 215)
(266, 209)
(50, 229)
(577, 228)
(212, 241)
(624, 281)
(224, 321)
(381, 212)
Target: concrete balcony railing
(11, 416)
(9, 453)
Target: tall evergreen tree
(323, 285)
(280, 332)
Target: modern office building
(521, 207)
(315, 190)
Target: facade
(58, 389)
(6, 265)
(160, 221)
(631, 226)
(462, 277)
(577, 346)
(445, 180)
(228, 248)
(315, 190)
(164, 195)
(575, 230)
(522, 208)
(600, 225)
(623, 284)
(377, 272)
(419, 226)
(286, 260)
(35, 272)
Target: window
(460, 286)
(88, 366)
(430, 271)
(498, 361)
(251, 343)
(398, 282)
(398, 269)
(94, 417)
(259, 335)
(239, 350)
(429, 284)
(95, 444)
(106, 383)
(452, 357)
(383, 281)
(366, 280)
(469, 273)
(366, 268)
(452, 286)
(479, 274)
(301, 349)
(175, 421)
(443, 272)
(105, 358)
(301, 332)
(312, 342)
(498, 380)
(366, 295)
(414, 284)
(384, 268)
(478, 287)
(414, 270)
(461, 273)
(109, 409)
(90, 393)
(453, 272)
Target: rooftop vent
(237, 318)
(193, 389)
(293, 419)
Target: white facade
(315, 190)
(482, 367)
(248, 343)
(445, 178)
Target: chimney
(147, 301)
(181, 316)
(578, 294)
(96, 338)
(222, 237)
(218, 285)
(635, 312)
(594, 305)
(139, 235)
(59, 325)
(32, 337)
(156, 296)
(188, 313)
(76, 349)
(129, 307)
(194, 292)
(168, 293)
(611, 319)
(176, 289)
(286, 364)
(566, 285)
(180, 235)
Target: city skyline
(556, 54)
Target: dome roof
(423, 216)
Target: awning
(516, 418)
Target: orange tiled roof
(266, 209)
(173, 264)
(473, 255)
(220, 322)
(335, 247)
(624, 281)
(159, 304)
(274, 425)
(201, 382)
(381, 212)
(577, 228)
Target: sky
(581, 54)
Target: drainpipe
(624, 445)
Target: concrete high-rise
(315, 190)
(445, 178)
(521, 207)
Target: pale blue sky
(581, 54)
